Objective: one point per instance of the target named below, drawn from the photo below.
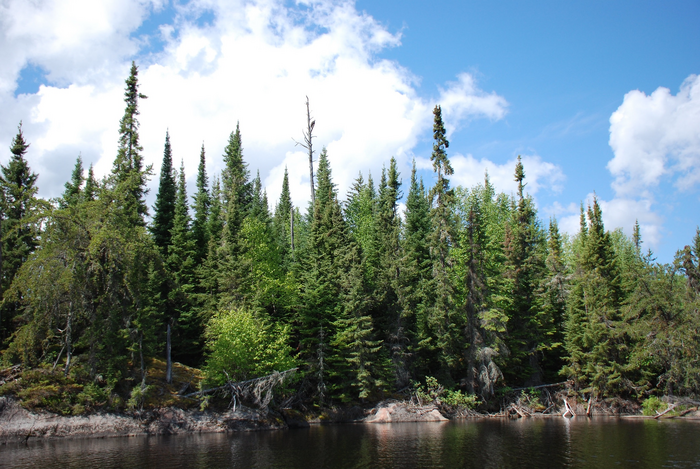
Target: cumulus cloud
(655, 137)
(254, 62)
(463, 99)
(618, 213)
(470, 171)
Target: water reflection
(485, 443)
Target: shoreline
(18, 425)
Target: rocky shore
(19, 425)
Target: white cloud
(463, 99)
(617, 213)
(469, 171)
(656, 136)
(254, 63)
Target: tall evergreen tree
(129, 176)
(181, 264)
(237, 190)
(202, 202)
(18, 229)
(164, 209)
(444, 321)
(416, 268)
(91, 185)
(283, 217)
(595, 341)
(528, 329)
(72, 193)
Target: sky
(597, 97)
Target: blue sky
(542, 81)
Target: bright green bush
(245, 346)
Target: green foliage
(245, 346)
(653, 405)
(164, 209)
(433, 392)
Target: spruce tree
(202, 202)
(237, 190)
(129, 177)
(71, 195)
(181, 264)
(18, 228)
(444, 322)
(416, 268)
(528, 328)
(164, 209)
(595, 336)
(91, 185)
(282, 219)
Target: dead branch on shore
(259, 389)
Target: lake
(480, 443)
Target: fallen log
(568, 409)
(670, 408)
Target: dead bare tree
(308, 144)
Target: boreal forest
(465, 287)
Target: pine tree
(202, 202)
(71, 196)
(129, 177)
(18, 228)
(164, 209)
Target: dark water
(494, 443)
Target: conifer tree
(208, 273)
(237, 190)
(528, 329)
(129, 176)
(202, 202)
(443, 320)
(164, 209)
(91, 185)
(181, 264)
(282, 219)
(72, 194)
(416, 267)
(18, 229)
(388, 316)
(595, 342)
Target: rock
(403, 412)
(18, 424)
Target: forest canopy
(467, 285)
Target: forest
(467, 286)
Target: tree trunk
(69, 326)
(168, 359)
(291, 225)
(309, 146)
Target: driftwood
(568, 409)
(588, 409)
(542, 386)
(260, 389)
(670, 408)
